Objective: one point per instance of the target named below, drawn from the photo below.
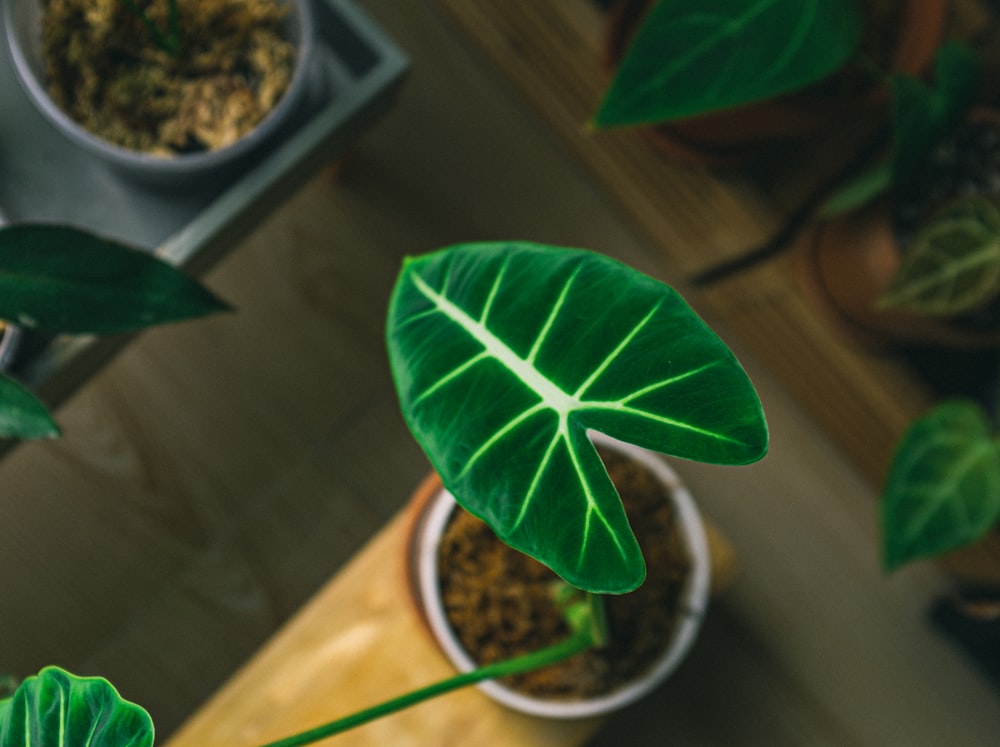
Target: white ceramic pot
(693, 606)
(22, 19)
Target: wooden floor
(217, 472)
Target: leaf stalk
(582, 637)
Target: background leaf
(58, 709)
(62, 279)
(943, 490)
(695, 56)
(953, 262)
(22, 415)
(504, 354)
(923, 115)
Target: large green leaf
(58, 709)
(695, 56)
(953, 262)
(61, 279)
(943, 490)
(22, 415)
(504, 354)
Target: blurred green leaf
(58, 709)
(953, 262)
(923, 115)
(505, 354)
(22, 415)
(859, 191)
(695, 56)
(62, 279)
(943, 490)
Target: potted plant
(163, 89)
(61, 280)
(907, 252)
(722, 82)
(943, 488)
(505, 357)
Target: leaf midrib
(552, 396)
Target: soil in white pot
(106, 71)
(499, 600)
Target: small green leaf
(922, 115)
(953, 262)
(62, 279)
(860, 190)
(22, 415)
(943, 490)
(58, 709)
(505, 354)
(695, 56)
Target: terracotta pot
(22, 19)
(433, 507)
(740, 134)
(847, 263)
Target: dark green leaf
(695, 56)
(22, 415)
(62, 279)
(943, 490)
(58, 709)
(922, 116)
(953, 262)
(505, 354)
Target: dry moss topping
(106, 71)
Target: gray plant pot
(23, 23)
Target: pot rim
(693, 605)
(26, 60)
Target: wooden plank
(358, 642)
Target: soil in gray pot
(105, 70)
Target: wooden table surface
(218, 474)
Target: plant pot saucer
(430, 509)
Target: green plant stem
(579, 641)
(170, 42)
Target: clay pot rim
(21, 17)
(434, 511)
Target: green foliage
(690, 57)
(58, 709)
(505, 354)
(169, 38)
(952, 264)
(922, 116)
(22, 414)
(943, 490)
(61, 279)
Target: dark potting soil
(965, 163)
(500, 600)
